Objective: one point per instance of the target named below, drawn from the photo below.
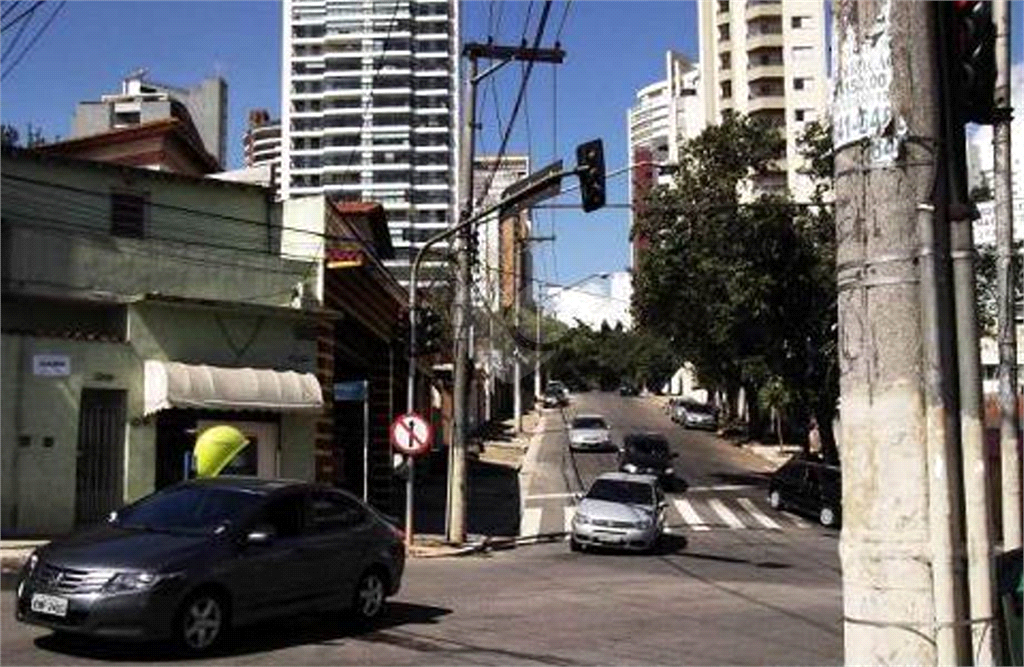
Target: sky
(613, 48)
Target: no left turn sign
(411, 434)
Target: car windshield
(190, 509)
(622, 491)
(701, 408)
(650, 447)
(588, 422)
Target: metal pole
(517, 375)
(887, 48)
(536, 358)
(1009, 423)
(410, 392)
(952, 642)
(366, 440)
(457, 471)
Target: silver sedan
(620, 510)
(589, 432)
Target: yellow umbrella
(215, 447)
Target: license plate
(49, 604)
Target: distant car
(193, 560)
(553, 399)
(622, 511)
(808, 486)
(627, 389)
(693, 414)
(589, 432)
(558, 387)
(648, 454)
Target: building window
(799, 114)
(727, 89)
(725, 60)
(723, 6)
(723, 33)
(127, 214)
(798, 22)
(799, 84)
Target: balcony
(764, 40)
(766, 102)
(764, 9)
(770, 71)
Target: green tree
(744, 286)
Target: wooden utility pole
(887, 128)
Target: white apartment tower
(368, 110)
(766, 58)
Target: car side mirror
(261, 536)
(577, 496)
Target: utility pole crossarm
(524, 53)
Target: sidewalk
(493, 499)
(493, 496)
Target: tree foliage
(739, 278)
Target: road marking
(761, 517)
(798, 521)
(721, 487)
(544, 496)
(726, 513)
(689, 514)
(569, 513)
(529, 525)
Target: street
(738, 582)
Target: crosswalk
(698, 513)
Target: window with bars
(128, 214)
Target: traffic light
(401, 337)
(974, 52)
(590, 168)
(429, 331)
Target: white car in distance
(589, 432)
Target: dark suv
(192, 560)
(648, 454)
(808, 485)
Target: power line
(27, 12)
(35, 37)
(519, 97)
(561, 24)
(10, 7)
(17, 36)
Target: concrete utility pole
(886, 121)
(517, 368)
(1009, 424)
(536, 359)
(456, 519)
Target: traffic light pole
(475, 219)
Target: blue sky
(613, 48)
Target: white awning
(170, 384)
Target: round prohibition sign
(411, 434)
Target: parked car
(693, 414)
(589, 432)
(558, 387)
(193, 560)
(627, 389)
(620, 510)
(808, 486)
(553, 399)
(647, 454)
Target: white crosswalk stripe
(726, 514)
(758, 515)
(529, 523)
(689, 514)
(699, 513)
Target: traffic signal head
(974, 50)
(428, 331)
(590, 168)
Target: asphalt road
(719, 594)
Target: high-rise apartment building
(368, 111)
(666, 114)
(142, 101)
(500, 262)
(262, 141)
(767, 59)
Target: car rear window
(588, 422)
(650, 447)
(701, 409)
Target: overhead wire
(17, 37)
(28, 12)
(11, 6)
(35, 38)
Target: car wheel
(370, 596)
(574, 545)
(202, 622)
(827, 516)
(775, 500)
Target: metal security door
(100, 454)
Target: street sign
(531, 181)
(350, 391)
(411, 434)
